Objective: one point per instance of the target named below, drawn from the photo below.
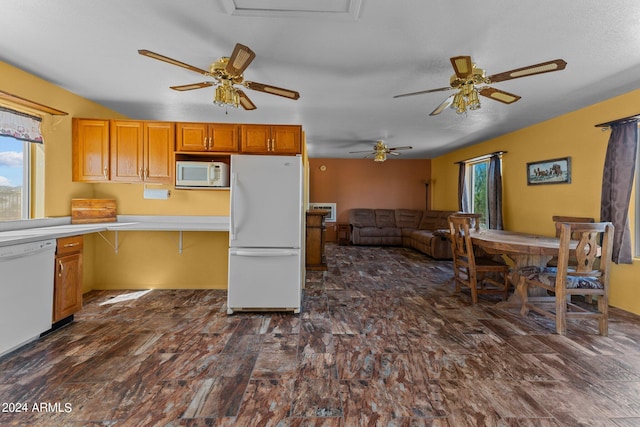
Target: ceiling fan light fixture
(473, 101)
(380, 157)
(459, 103)
(226, 95)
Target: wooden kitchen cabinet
(126, 150)
(90, 147)
(123, 151)
(67, 287)
(141, 151)
(207, 137)
(271, 139)
(158, 143)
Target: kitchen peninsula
(16, 232)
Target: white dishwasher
(26, 292)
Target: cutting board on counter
(89, 211)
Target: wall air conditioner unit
(327, 207)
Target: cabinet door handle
(204, 142)
(60, 268)
(70, 245)
(146, 173)
(105, 172)
(140, 174)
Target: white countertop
(16, 232)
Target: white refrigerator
(265, 235)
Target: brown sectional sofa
(425, 231)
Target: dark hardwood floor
(382, 340)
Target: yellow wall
(151, 259)
(530, 208)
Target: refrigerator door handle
(232, 221)
(248, 252)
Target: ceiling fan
(226, 72)
(467, 76)
(380, 151)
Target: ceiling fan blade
(239, 60)
(363, 151)
(291, 94)
(245, 101)
(462, 65)
(499, 95)
(172, 61)
(406, 147)
(443, 105)
(192, 86)
(440, 89)
(543, 67)
(393, 153)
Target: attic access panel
(338, 9)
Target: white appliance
(265, 236)
(197, 174)
(26, 292)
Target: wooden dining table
(523, 249)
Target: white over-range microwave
(198, 174)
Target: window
(14, 179)
(476, 174)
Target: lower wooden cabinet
(67, 290)
(316, 230)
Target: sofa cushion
(435, 220)
(385, 218)
(422, 236)
(406, 232)
(370, 232)
(362, 218)
(408, 218)
(390, 232)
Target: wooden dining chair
(583, 271)
(471, 271)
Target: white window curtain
(20, 126)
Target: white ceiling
(346, 66)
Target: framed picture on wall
(553, 171)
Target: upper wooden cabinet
(141, 151)
(271, 139)
(126, 150)
(90, 150)
(159, 139)
(123, 151)
(207, 137)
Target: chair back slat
(592, 254)
(558, 219)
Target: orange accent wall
(362, 183)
